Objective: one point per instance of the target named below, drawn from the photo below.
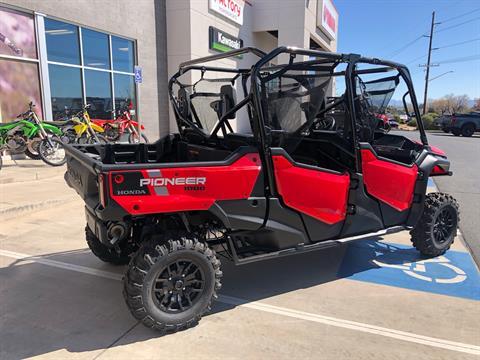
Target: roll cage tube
(352, 60)
(405, 74)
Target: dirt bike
(83, 130)
(26, 134)
(122, 124)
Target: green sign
(221, 41)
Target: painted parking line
(453, 274)
(257, 305)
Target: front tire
(468, 130)
(170, 285)
(52, 152)
(435, 231)
(134, 139)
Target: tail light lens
(101, 189)
(438, 170)
(453, 120)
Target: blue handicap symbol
(453, 274)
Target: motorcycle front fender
(97, 128)
(52, 129)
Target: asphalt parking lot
(374, 299)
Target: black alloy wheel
(444, 225)
(178, 286)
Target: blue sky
(383, 28)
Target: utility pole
(428, 64)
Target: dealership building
(63, 54)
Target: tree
(450, 104)
(476, 105)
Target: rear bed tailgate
(82, 173)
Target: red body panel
(317, 193)
(231, 182)
(389, 182)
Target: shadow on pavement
(45, 309)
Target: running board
(301, 248)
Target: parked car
(460, 124)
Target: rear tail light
(101, 189)
(453, 120)
(438, 170)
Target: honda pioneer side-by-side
(278, 157)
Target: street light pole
(428, 64)
(445, 73)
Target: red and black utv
(274, 159)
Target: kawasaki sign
(223, 42)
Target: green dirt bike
(26, 134)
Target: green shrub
(412, 122)
(428, 119)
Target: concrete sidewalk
(31, 185)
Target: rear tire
(32, 149)
(170, 285)
(468, 130)
(435, 231)
(103, 252)
(456, 132)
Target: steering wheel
(326, 123)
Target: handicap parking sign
(138, 74)
(453, 274)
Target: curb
(12, 212)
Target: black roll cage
(254, 97)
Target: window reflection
(124, 86)
(19, 84)
(98, 94)
(95, 49)
(62, 42)
(122, 53)
(17, 34)
(66, 90)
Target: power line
(460, 59)
(417, 58)
(398, 51)
(457, 25)
(459, 16)
(456, 44)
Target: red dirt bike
(115, 128)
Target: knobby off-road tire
(435, 231)
(103, 252)
(170, 285)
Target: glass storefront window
(124, 91)
(19, 74)
(19, 84)
(96, 52)
(62, 42)
(122, 54)
(17, 34)
(98, 94)
(66, 90)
